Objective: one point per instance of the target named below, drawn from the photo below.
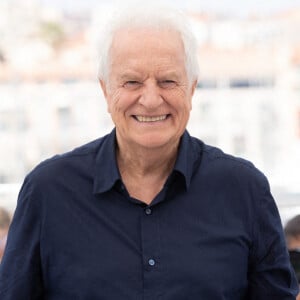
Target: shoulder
(227, 167)
(77, 160)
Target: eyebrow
(130, 74)
(162, 75)
(168, 75)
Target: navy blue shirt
(212, 233)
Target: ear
(103, 87)
(104, 90)
(194, 85)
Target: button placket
(150, 238)
(151, 262)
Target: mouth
(149, 119)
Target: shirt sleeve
(20, 269)
(270, 273)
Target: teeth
(151, 119)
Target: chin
(154, 141)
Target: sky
(232, 7)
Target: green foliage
(53, 33)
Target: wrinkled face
(147, 91)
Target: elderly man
(147, 211)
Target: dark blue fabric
(212, 233)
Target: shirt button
(148, 211)
(151, 262)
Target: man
(147, 212)
(292, 235)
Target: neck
(137, 161)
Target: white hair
(154, 17)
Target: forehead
(144, 34)
(147, 47)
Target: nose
(151, 97)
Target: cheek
(186, 104)
(113, 102)
(182, 100)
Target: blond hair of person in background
(4, 226)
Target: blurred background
(247, 101)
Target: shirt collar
(107, 172)
(188, 158)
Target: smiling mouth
(150, 119)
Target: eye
(131, 84)
(167, 83)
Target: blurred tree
(53, 33)
(2, 57)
